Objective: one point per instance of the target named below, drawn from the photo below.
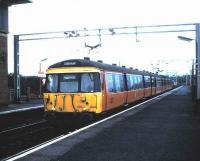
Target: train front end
(72, 91)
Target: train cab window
(90, 82)
(97, 82)
(87, 82)
(79, 82)
(52, 83)
(69, 83)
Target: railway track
(15, 119)
(18, 140)
(23, 127)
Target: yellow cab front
(73, 90)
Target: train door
(104, 91)
(115, 90)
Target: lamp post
(40, 73)
(198, 59)
(194, 83)
(197, 45)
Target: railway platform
(167, 129)
(21, 107)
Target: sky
(163, 51)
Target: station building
(4, 4)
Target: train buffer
(166, 129)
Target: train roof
(100, 65)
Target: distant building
(4, 4)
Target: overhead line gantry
(112, 31)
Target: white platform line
(21, 110)
(27, 152)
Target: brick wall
(3, 70)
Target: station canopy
(13, 2)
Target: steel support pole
(198, 59)
(16, 70)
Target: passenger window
(158, 82)
(110, 82)
(130, 82)
(147, 81)
(162, 82)
(128, 77)
(135, 82)
(140, 81)
(122, 84)
(153, 82)
(117, 83)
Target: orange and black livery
(83, 86)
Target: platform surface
(166, 130)
(25, 106)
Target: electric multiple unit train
(82, 86)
